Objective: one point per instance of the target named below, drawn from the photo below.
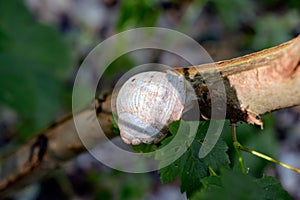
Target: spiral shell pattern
(147, 103)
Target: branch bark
(255, 84)
(26, 164)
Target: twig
(255, 84)
(268, 158)
(236, 146)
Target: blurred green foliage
(234, 12)
(138, 14)
(268, 22)
(274, 29)
(118, 185)
(34, 61)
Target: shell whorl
(147, 103)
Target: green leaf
(236, 185)
(211, 181)
(14, 15)
(194, 170)
(114, 126)
(175, 169)
(144, 148)
(34, 61)
(272, 188)
(174, 126)
(189, 167)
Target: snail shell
(147, 103)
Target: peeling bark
(273, 83)
(255, 84)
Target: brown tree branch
(63, 144)
(255, 84)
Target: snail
(147, 102)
